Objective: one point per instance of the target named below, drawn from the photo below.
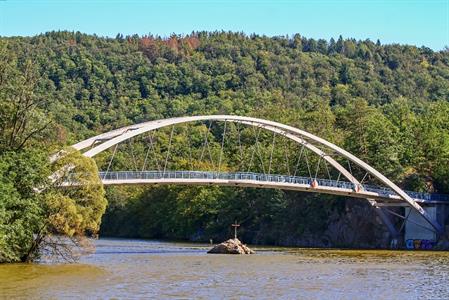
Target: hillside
(387, 104)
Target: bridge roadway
(285, 182)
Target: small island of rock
(231, 246)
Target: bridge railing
(155, 175)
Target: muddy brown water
(136, 269)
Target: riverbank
(351, 223)
(402, 246)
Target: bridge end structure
(419, 234)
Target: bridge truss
(249, 152)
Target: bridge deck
(246, 179)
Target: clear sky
(417, 22)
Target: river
(124, 269)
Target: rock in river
(231, 246)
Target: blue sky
(424, 22)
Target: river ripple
(148, 269)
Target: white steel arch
(104, 141)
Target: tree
(370, 136)
(431, 144)
(320, 120)
(38, 214)
(74, 203)
(21, 208)
(21, 117)
(339, 45)
(345, 74)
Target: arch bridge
(216, 150)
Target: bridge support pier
(395, 234)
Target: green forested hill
(96, 82)
(387, 104)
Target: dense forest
(387, 104)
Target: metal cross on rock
(235, 225)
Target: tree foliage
(387, 104)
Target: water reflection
(46, 281)
(133, 268)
